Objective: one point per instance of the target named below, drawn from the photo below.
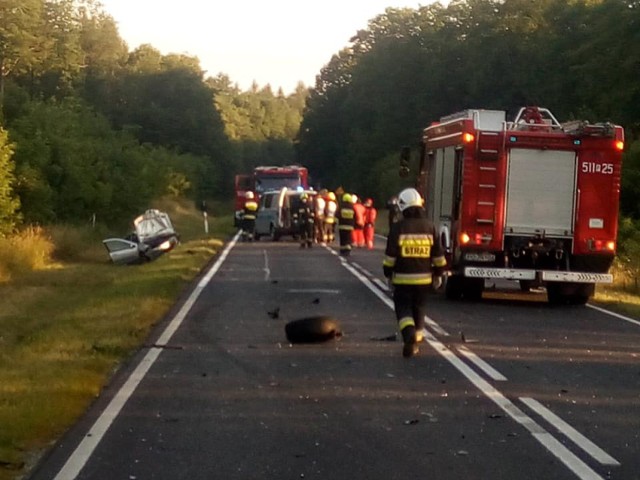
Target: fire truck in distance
(531, 200)
(266, 178)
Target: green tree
(9, 204)
(70, 165)
(19, 22)
(144, 60)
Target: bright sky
(276, 42)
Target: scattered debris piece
(388, 338)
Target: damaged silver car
(152, 237)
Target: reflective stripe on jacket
(413, 252)
(346, 217)
(250, 209)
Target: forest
(88, 127)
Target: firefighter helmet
(409, 197)
(249, 195)
(347, 198)
(332, 196)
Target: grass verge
(64, 329)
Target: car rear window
(269, 200)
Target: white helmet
(409, 197)
(249, 195)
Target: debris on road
(313, 329)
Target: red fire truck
(265, 178)
(531, 200)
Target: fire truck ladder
(488, 154)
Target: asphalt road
(506, 388)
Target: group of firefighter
(321, 214)
(318, 216)
(414, 258)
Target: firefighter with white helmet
(330, 212)
(249, 218)
(414, 257)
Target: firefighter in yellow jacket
(414, 260)
(345, 223)
(249, 218)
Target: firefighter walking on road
(249, 218)
(414, 260)
(345, 223)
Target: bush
(627, 264)
(29, 249)
(78, 244)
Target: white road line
(267, 270)
(482, 365)
(576, 437)
(436, 326)
(553, 446)
(368, 283)
(78, 459)
(574, 464)
(613, 314)
(383, 286)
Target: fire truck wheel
(472, 289)
(453, 287)
(312, 329)
(569, 293)
(526, 285)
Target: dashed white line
(562, 453)
(482, 365)
(436, 327)
(576, 437)
(267, 270)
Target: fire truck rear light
(598, 244)
(619, 145)
(478, 239)
(468, 138)
(611, 246)
(464, 238)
